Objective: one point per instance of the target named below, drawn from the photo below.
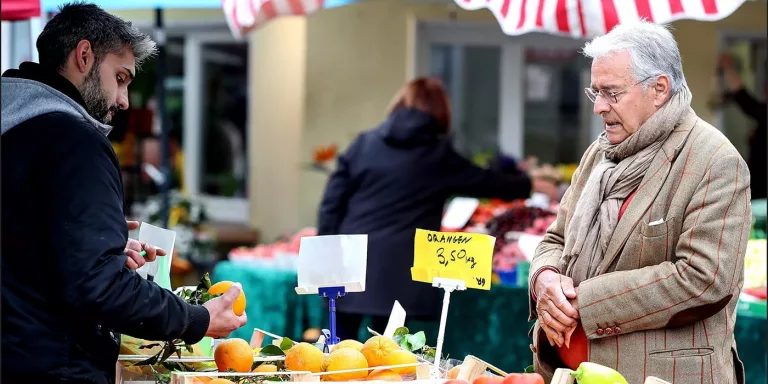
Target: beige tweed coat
(664, 303)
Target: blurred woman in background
(392, 180)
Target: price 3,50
(454, 256)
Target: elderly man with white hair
(643, 268)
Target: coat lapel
(649, 188)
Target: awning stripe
(589, 18)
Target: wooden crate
(422, 375)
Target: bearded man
(69, 288)
(642, 270)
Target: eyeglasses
(610, 97)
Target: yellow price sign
(449, 255)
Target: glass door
(472, 76)
(558, 116)
(749, 56)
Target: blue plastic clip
(332, 293)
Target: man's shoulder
(63, 129)
(707, 145)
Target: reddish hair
(427, 95)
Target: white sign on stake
(449, 285)
(396, 320)
(332, 261)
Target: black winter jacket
(66, 292)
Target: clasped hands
(556, 307)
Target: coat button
(609, 331)
(533, 349)
(616, 330)
(600, 331)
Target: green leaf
(402, 331)
(256, 364)
(286, 344)
(272, 350)
(529, 369)
(405, 344)
(417, 341)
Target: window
(557, 114)
(749, 55)
(508, 94)
(206, 101)
(472, 76)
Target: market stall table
(493, 325)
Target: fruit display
(286, 245)
(152, 359)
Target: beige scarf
(620, 172)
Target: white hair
(652, 49)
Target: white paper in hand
(332, 261)
(160, 269)
(396, 320)
(459, 212)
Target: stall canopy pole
(165, 128)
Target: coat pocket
(674, 353)
(658, 229)
(658, 242)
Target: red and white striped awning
(15, 10)
(589, 18)
(244, 16)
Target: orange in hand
(222, 286)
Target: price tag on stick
(459, 256)
(452, 262)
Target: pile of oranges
(349, 360)
(352, 360)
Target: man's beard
(96, 102)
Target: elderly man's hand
(556, 306)
(134, 247)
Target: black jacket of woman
(390, 181)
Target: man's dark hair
(82, 21)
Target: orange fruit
(201, 380)
(265, 368)
(233, 354)
(354, 344)
(384, 375)
(402, 356)
(220, 381)
(377, 349)
(454, 372)
(345, 359)
(488, 379)
(304, 357)
(222, 286)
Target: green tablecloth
(493, 325)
